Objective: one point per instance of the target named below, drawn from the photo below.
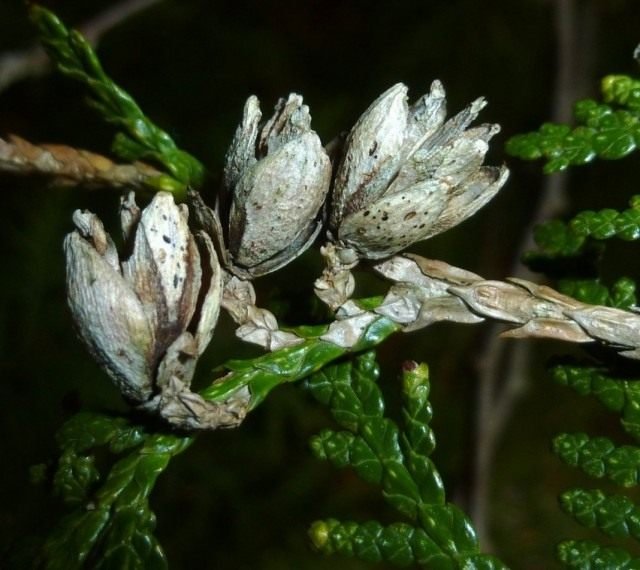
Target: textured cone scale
(147, 318)
(276, 178)
(407, 175)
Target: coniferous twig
(138, 138)
(65, 165)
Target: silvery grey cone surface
(276, 178)
(407, 174)
(147, 318)
(426, 291)
(404, 174)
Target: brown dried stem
(66, 165)
(428, 291)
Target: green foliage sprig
(614, 515)
(110, 519)
(607, 130)
(599, 457)
(619, 395)
(603, 131)
(397, 459)
(138, 137)
(111, 523)
(588, 554)
(557, 238)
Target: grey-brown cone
(147, 318)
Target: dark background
(244, 499)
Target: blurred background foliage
(244, 498)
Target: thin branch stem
(15, 66)
(503, 375)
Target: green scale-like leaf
(603, 132)
(381, 453)
(399, 544)
(417, 438)
(621, 90)
(112, 524)
(138, 137)
(556, 238)
(344, 449)
(621, 295)
(76, 472)
(585, 554)
(614, 515)
(618, 395)
(599, 457)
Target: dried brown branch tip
(68, 166)
(426, 291)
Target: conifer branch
(428, 291)
(18, 65)
(68, 166)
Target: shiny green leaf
(581, 554)
(138, 138)
(599, 457)
(605, 133)
(614, 515)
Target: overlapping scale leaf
(608, 223)
(586, 554)
(618, 395)
(621, 90)
(399, 544)
(129, 542)
(139, 138)
(599, 457)
(74, 477)
(416, 409)
(450, 528)
(344, 449)
(621, 295)
(557, 238)
(603, 132)
(614, 515)
(112, 524)
(76, 472)
(87, 430)
(417, 438)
